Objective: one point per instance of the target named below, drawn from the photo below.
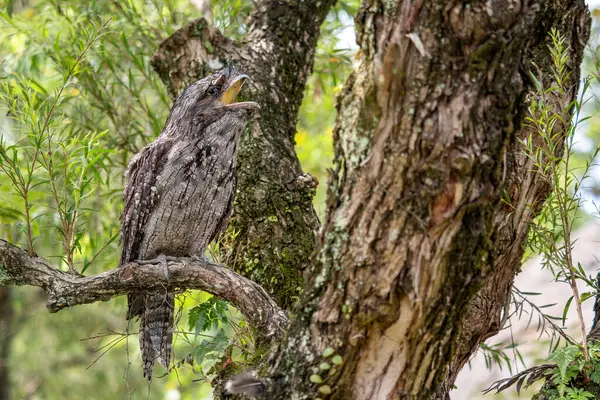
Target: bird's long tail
(156, 330)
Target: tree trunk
(417, 254)
(426, 141)
(486, 313)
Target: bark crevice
(423, 130)
(417, 255)
(484, 315)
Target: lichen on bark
(425, 144)
(526, 191)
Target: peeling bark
(417, 254)
(424, 127)
(485, 314)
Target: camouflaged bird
(179, 193)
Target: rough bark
(67, 290)
(273, 214)
(6, 318)
(417, 253)
(425, 127)
(486, 312)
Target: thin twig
(67, 226)
(555, 328)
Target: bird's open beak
(234, 88)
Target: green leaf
(8, 214)
(193, 316)
(328, 352)
(595, 375)
(563, 358)
(566, 310)
(207, 315)
(211, 349)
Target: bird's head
(216, 91)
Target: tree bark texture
(417, 253)
(415, 227)
(273, 213)
(486, 311)
(168, 275)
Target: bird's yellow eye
(213, 90)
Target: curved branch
(67, 290)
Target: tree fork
(416, 245)
(425, 130)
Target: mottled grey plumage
(179, 192)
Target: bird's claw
(164, 263)
(202, 258)
(158, 260)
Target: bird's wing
(224, 222)
(140, 196)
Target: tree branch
(189, 54)
(67, 290)
(420, 166)
(273, 217)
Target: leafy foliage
(571, 366)
(523, 379)
(552, 123)
(212, 349)
(563, 358)
(549, 149)
(207, 315)
(565, 376)
(50, 155)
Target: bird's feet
(163, 261)
(200, 258)
(158, 260)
